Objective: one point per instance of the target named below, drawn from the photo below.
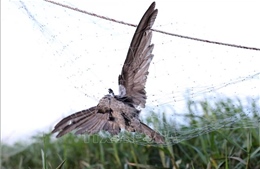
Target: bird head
(110, 91)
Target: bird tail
(158, 138)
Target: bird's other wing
(87, 121)
(135, 70)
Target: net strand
(155, 30)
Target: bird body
(121, 112)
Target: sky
(55, 61)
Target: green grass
(218, 134)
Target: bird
(116, 113)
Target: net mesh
(89, 52)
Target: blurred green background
(219, 133)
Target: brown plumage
(116, 112)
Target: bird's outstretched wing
(87, 121)
(135, 70)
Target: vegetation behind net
(220, 134)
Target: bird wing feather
(135, 69)
(87, 121)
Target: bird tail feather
(158, 138)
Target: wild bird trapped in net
(121, 112)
